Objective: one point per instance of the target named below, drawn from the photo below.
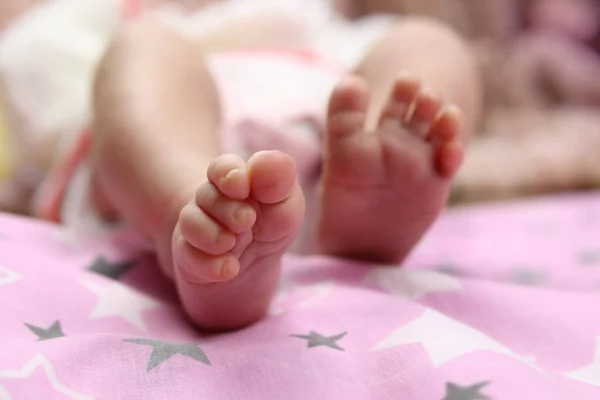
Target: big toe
(272, 175)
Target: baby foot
(382, 190)
(230, 238)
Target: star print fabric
(496, 303)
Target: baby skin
(392, 145)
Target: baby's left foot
(229, 239)
(382, 189)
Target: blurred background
(539, 62)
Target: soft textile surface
(497, 303)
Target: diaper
(47, 62)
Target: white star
(116, 299)
(590, 373)
(445, 339)
(68, 237)
(7, 276)
(412, 284)
(288, 288)
(4, 395)
(29, 368)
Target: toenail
(230, 175)
(243, 214)
(229, 269)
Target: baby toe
(203, 232)
(447, 126)
(196, 266)
(230, 175)
(448, 159)
(347, 107)
(403, 94)
(235, 215)
(427, 107)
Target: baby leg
(156, 124)
(395, 135)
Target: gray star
(162, 351)
(316, 339)
(448, 269)
(53, 332)
(456, 392)
(111, 270)
(529, 276)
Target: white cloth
(322, 29)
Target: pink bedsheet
(497, 303)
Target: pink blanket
(497, 303)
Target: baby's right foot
(382, 189)
(229, 240)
